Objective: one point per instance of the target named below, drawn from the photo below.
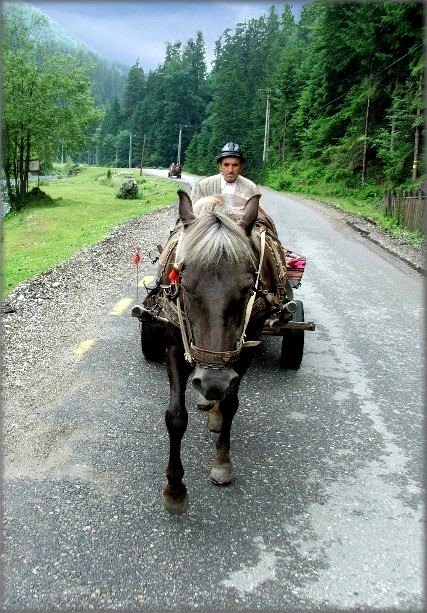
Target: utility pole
(365, 141)
(142, 154)
(365, 136)
(180, 126)
(268, 93)
(130, 149)
(267, 128)
(417, 133)
(178, 158)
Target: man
(231, 163)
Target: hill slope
(108, 76)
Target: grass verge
(73, 213)
(364, 201)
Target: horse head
(217, 271)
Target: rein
(220, 359)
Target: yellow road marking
(121, 306)
(84, 347)
(146, 280)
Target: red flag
(136, 258)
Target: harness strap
(214, 359)
(184, 333)
(225, 358)
(251, 301)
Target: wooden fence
(408, 208)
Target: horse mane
(211, 236)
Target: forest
(335, 96)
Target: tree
(354, 54)
(134, 90)
(46, 103)
(244, 63)
(110, 126)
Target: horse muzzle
(214, 384)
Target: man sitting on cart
(231, 163)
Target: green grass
(76, 212)
(364, 201)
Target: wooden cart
(292, 328)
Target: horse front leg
(225, 412)
(175, 497)
(220, 419)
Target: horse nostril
(234, 381)
(197, 383)
(214, 384)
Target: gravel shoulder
(45, 317)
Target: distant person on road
(231, 163)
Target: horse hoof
(214, 421)
(221, 474)
(203, 404)
(175, 506)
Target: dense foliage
(46, 102)
(52, 88)
(344, 86)
(157, 109)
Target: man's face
(231, 168)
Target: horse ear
(185, 207)
(250, 214)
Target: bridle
(217, 359)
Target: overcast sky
(124, 31)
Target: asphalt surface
(326, 508)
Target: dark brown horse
(221, 275)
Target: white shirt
(227, 188)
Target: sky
(125, 31)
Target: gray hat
(231, 150)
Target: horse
(174, 171)
(221, 274)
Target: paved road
(326, 508)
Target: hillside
(108, 76)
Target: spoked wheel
(153, 342)
(293, 342)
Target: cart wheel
(293, 342)
(153, 342)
